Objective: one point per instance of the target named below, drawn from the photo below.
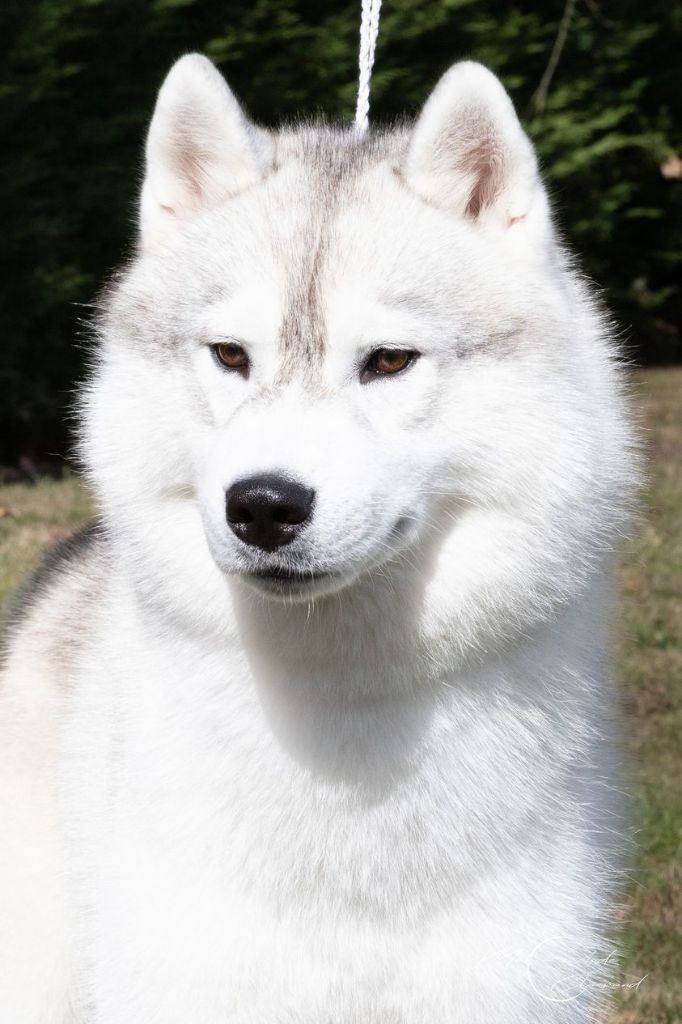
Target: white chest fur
(245, 850)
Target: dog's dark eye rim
(230, 355)
(387, 361)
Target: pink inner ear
(189, 154)
(481, 156)
(470, 148)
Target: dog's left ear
(201, 147)
(468, 153)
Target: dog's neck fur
(378, 640)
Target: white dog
(315, 726)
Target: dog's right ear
(201, 148)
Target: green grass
(32, 516)
(650, 664)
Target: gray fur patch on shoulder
(65, 554)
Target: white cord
(369, 30)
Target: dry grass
(32, 516)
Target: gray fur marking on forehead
(333, 161)
(302, 334)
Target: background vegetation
(598, 83)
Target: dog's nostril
(239, 514)
(268, 511)
(290, 514)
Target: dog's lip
(293, 583)
(280, 574)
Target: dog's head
(336, 356)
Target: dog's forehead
(326, 180)
(359, 256)
(329, 251)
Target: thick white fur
(388, 799)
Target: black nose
(268, 511)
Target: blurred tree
(598, 84)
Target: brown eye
(231, 356)
(386, 361)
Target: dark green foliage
(78, 85)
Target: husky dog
(315, 725)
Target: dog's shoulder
(61, 586)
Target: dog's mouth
(280, 581)
(305, 582)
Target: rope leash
(369, 30)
